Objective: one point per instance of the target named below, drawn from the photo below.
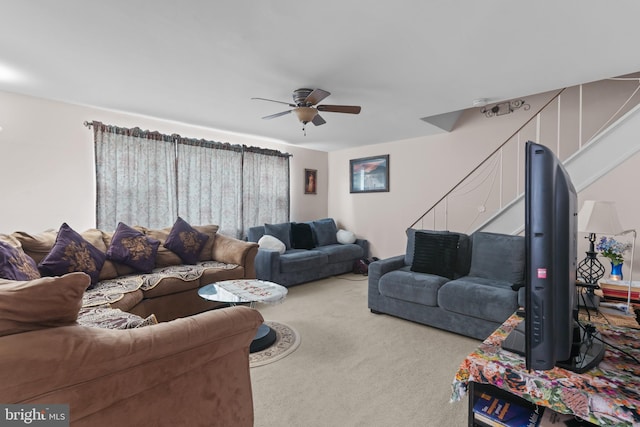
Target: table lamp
(595, 217)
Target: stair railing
(491, 169)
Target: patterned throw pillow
(131, 247)
(15, 264)
(185, 241)
(71, 253)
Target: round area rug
(287, 340)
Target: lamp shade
(599, 217)
(305, 114)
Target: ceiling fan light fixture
(305, 114)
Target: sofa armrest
(364, 244)
(234, 251)
(102, 373)
(382, 266)
(376, 270)
(267, 264)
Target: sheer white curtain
(146, 178)
(210, 184)
(265, 187)
(135, 177)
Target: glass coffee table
(248, 291)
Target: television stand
(603, 397)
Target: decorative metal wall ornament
(505, 108)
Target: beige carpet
(355, 368)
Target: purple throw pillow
(185, 241)
(15, 264)
(131, 247)
(70, 253)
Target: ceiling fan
(305, 107)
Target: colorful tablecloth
(608, 395)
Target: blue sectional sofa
(464, 284)
(311, 252)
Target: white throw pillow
(271, 243)
(345, 237)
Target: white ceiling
(200, 62)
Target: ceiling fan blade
(316, 96)
(317, 120)
(351, 109)
(273, 116)
(279, 102)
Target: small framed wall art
(310, 181)
(369, 174)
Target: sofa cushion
(340, 253)
(406, 285)
(325, 231)
(185, 241)
(41, 303)
(301, 236)
(169, 284)
(255, 233)
(281, 232)
(15, 264)
(345, 237)
(435, 254)
(271, 243)
(211, 230)
(37, 246)
(112, 318)
(133, 248)
(164, 257)
(128, 300)
(301, 259)
(215, 274)
(498, 256)
(464, 249)
(71, 253)
(485, 299)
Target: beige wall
(47, 175)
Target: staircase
(605, 152)
(491, 197)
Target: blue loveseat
(475, 282)
(311, 252)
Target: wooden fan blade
(273, 116)
(351, 109)
(279, 102)
(317, 120)
(316, 96)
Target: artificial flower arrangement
(613, 249)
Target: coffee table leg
(265, 337)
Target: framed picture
(310, 181)
(369, 174)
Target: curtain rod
(90, 124)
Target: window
(146, 178)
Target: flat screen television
(550, 334)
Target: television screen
(550, 334)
